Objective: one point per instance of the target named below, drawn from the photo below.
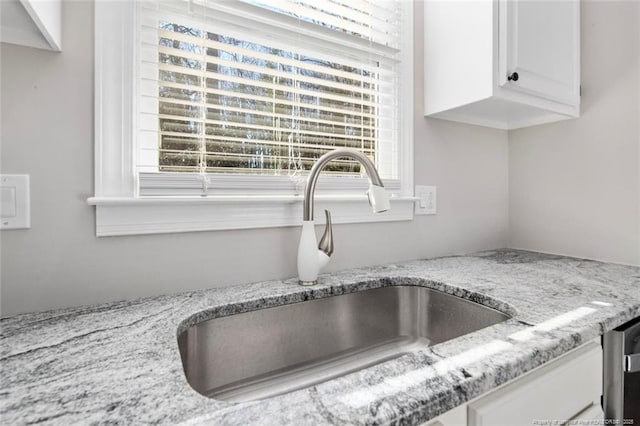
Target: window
(225, 105)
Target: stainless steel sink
(272, 351)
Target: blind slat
(238, 141)
(357, 120)
(242, 126)
(233, 155)
(273, 86)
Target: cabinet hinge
(581, 90)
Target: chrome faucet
(311, 259)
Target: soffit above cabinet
(32, 23)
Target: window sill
(160, 215)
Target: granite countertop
(119, 363)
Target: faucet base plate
(306, 283)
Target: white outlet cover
(15, 212)
(427, 200)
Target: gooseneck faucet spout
(311, 259)
(372, 173)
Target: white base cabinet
(502, 63)
(567, 388)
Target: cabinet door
(539, 40)
(567, 388)
(455, 417)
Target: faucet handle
(326, 242)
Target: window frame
(120, 210)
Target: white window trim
(119, 209)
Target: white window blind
(264, 88)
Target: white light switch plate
(426, 203)
(15, 206)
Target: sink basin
(272, 351)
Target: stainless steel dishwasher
(621, 381)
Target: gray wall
(47, 132)
(575, 185)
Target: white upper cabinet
(541, 43)
(503, 63)
(33, 23)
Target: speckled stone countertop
(119, 363)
